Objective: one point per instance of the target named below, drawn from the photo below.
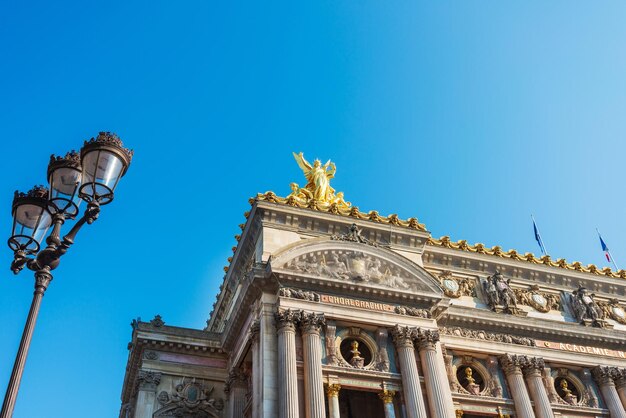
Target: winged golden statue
(318, 187)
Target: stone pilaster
(604, 378)
(512, 366)
(413, 399)
(332, 391)
(620, 385)
(437, 387)
(286, 322)
(532, 369)
(387, 397)
(147, 383)
(236, 389)
(311, 325)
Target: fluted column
(511, 364)
(311, 325)
(532, 369)
(620, 384)
(287, 375)
(257, 401)
(146, 394)
(332, 391)
(604, 377)
(437, 387)
(413, 400)
(236, 389)
(387, 397)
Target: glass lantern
(31, 220)
(64, 176)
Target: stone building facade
(326, 311)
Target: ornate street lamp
(91, 176)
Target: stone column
(256, 395)
(387, 397)
(604, 377)
(413, 400)
(236, 389)
(620, 384)
(511, 364)
(533, 369)
(146, 395)
(437, 387)
(287, 374)
(333, 400)
(311, 325)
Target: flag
(538, 238)
(607, 254)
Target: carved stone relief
(189, 400)
(499, 295)
(613, 310)
(541, 301)
(488, 336)
(456, 287)
(585, 308)
(290, 292)
(353, 266)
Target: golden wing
(302, 163)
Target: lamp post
(91, 176)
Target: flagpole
(542, 246)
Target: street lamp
(91, 176)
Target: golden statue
(356, 360)
(568, 396)
(471, 387)
(318, 177)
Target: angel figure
(318, 177)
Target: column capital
(403, 336)
(459, 413)
(236, 377)
(333, 390)
(148, 380)
(287, 319)
(255, 327)
(604, 375)
(312, 322)
(427, 339)
(620, 378)
(387, 395)
(512, 364)
(532, 366)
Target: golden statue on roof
(318, 187)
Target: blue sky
(467, 115)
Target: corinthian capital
(512, 364)
(403, 336)
(604, 375)
(312, 322)
(147, 380)
(533, 366)
(287, 319)
(255, 328)
(427, 339)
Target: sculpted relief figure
(586, 310)
(500, 295)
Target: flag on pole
(607, 252)
(538, 237)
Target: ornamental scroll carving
(290, 292)
(612, 309)
(353, 266)
(189, 400)
(488, 336)
(541, 301)
(454, 287)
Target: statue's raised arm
(302, 163)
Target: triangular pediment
(354, 262)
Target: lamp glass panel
(31, 221)
(64, 184)
(102, 169)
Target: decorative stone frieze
(488, 336)
(293, 293)
(612, 309)
(416, 312)
(189, 399)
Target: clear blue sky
(468, 115)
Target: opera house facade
(327, 311)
